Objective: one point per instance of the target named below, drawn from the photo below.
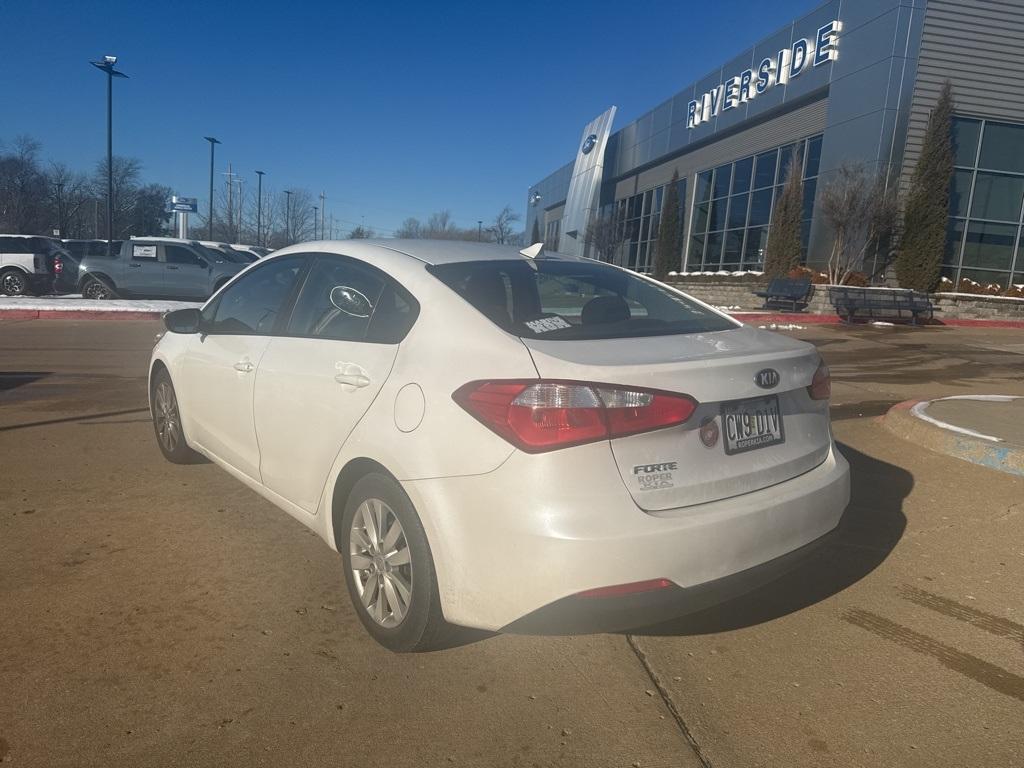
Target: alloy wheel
(14, 284)
(166, 415)
(97, 290)
(381, 563)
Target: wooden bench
(786, 291)
(880, 302)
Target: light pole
(60, 213)
(323, 214)
(316, 211)
(479, 230)
(287, 216)
(259, 206)
(107, 65)
(213, 143)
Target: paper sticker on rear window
(144, 252)
(546, 324)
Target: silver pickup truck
(156, 267)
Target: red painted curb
(798, 319)
(71, 314)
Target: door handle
(169, 266)
(357, 380)
(134, 266)
(351, 375)
(244, 366)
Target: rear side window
(344, 300)
(574, 300)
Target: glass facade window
(731, 223)
(552, 234)
(986, 204)
(637, 221)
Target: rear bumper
(503, 553)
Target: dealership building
(853, 81)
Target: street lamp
(316, 212)
(107, 65)
(287, 216)
(259, 206)
(479, 230)
(213, 143)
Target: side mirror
(184, 320)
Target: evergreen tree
(666, 254)
(784, 240)
(926, 216)
(535, 235)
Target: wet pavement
(158, 615)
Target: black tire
(14, 282)
(167, 422)
(423, 627)
(97, 288)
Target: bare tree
(604, 236)
(861, 213)
(23, 189)
(71, 195)
(502, 230)
(126, 184)
(361, 233)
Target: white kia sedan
(495, 438)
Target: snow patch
(75, 303)
(778, 327)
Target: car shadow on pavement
(868, 532)
(14, 379)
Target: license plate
(752, 424)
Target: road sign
(183, 205)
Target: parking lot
(155, 615)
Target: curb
(901, 421)
(77, 314)
(754, 318)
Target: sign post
(181, 207)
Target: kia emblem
(767, 379)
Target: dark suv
(78, 250)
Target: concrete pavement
(156, 615)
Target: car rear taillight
(537, 416)
(821, 384)
(58, 265)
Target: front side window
(179, 254)
(252, 305)
(574, 300)
(345, 300)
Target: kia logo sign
(767, 379)
(589, 143)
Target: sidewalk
(982, 429)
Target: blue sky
(394, 109)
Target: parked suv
(29, 264)
(67, 279)
(156, 267)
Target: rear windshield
(550, 299)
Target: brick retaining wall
(736, 293)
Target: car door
(144, 272)
(317, 379)
(187, 274)
(218, 370)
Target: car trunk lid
(720, 451)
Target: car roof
(165, 240)
(425, 251)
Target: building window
(637, 221)
(552, 234)
(733, 206)
(986, 204)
